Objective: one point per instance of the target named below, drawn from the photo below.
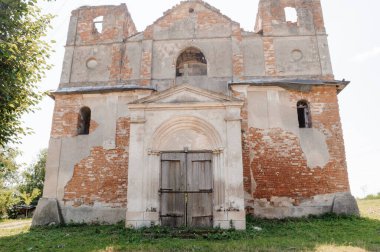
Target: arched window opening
(304, 115)
(84, 121)
(98, 24)
(191, 62)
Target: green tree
(28, 198)
(8, 198)
(23, 63)
(8, 166)
(34, 175)
(8, 180)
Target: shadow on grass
(261, 235)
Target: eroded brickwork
(272, 16)
(117, 16)
(274, 162)
(103, 176)
(146, 68)
(66, 116)
(269, 56)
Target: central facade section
(185, 160)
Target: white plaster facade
(191, 119)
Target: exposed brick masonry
(103, 176)
(276, 161)
(66, 116)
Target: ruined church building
(194, 121)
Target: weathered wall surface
(294, 48)
(149, 58)
(282, 160)
(88, 174)
(288, 171)
(102, 177)
(85, 43)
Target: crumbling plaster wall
(294, 48)
(283, 163)
(149, 57)
(85, 43)
(87, 174)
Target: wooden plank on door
(199, 210)
(173, 180)
(173, 209)
(199, 172)
(200, 186)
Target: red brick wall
(66, 116)
(274, 158)
(102, 177)
(115, 20)
(272, 13)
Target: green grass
(372, 197)
(325, 233)
(370, 208)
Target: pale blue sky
(354, 40)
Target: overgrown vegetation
(19, 193)
(275, 235)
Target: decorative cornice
(97, 89)
(298, 84)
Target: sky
(354, 41)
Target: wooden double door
(186, 189)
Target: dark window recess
(304, 117)
(191, 62)
(84, 121)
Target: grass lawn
(327, 233)
(320, 234)
(370, 208)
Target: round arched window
(84, 121)
(191, 62)
(304, 115)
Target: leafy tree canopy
(34, 175)
(8, 166)
(8, 180)
(23, 62)
(29, 197)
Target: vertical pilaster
(136, 170)
(146, 62)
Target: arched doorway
(186, 171)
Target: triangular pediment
(186, 94)
(203, 12)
